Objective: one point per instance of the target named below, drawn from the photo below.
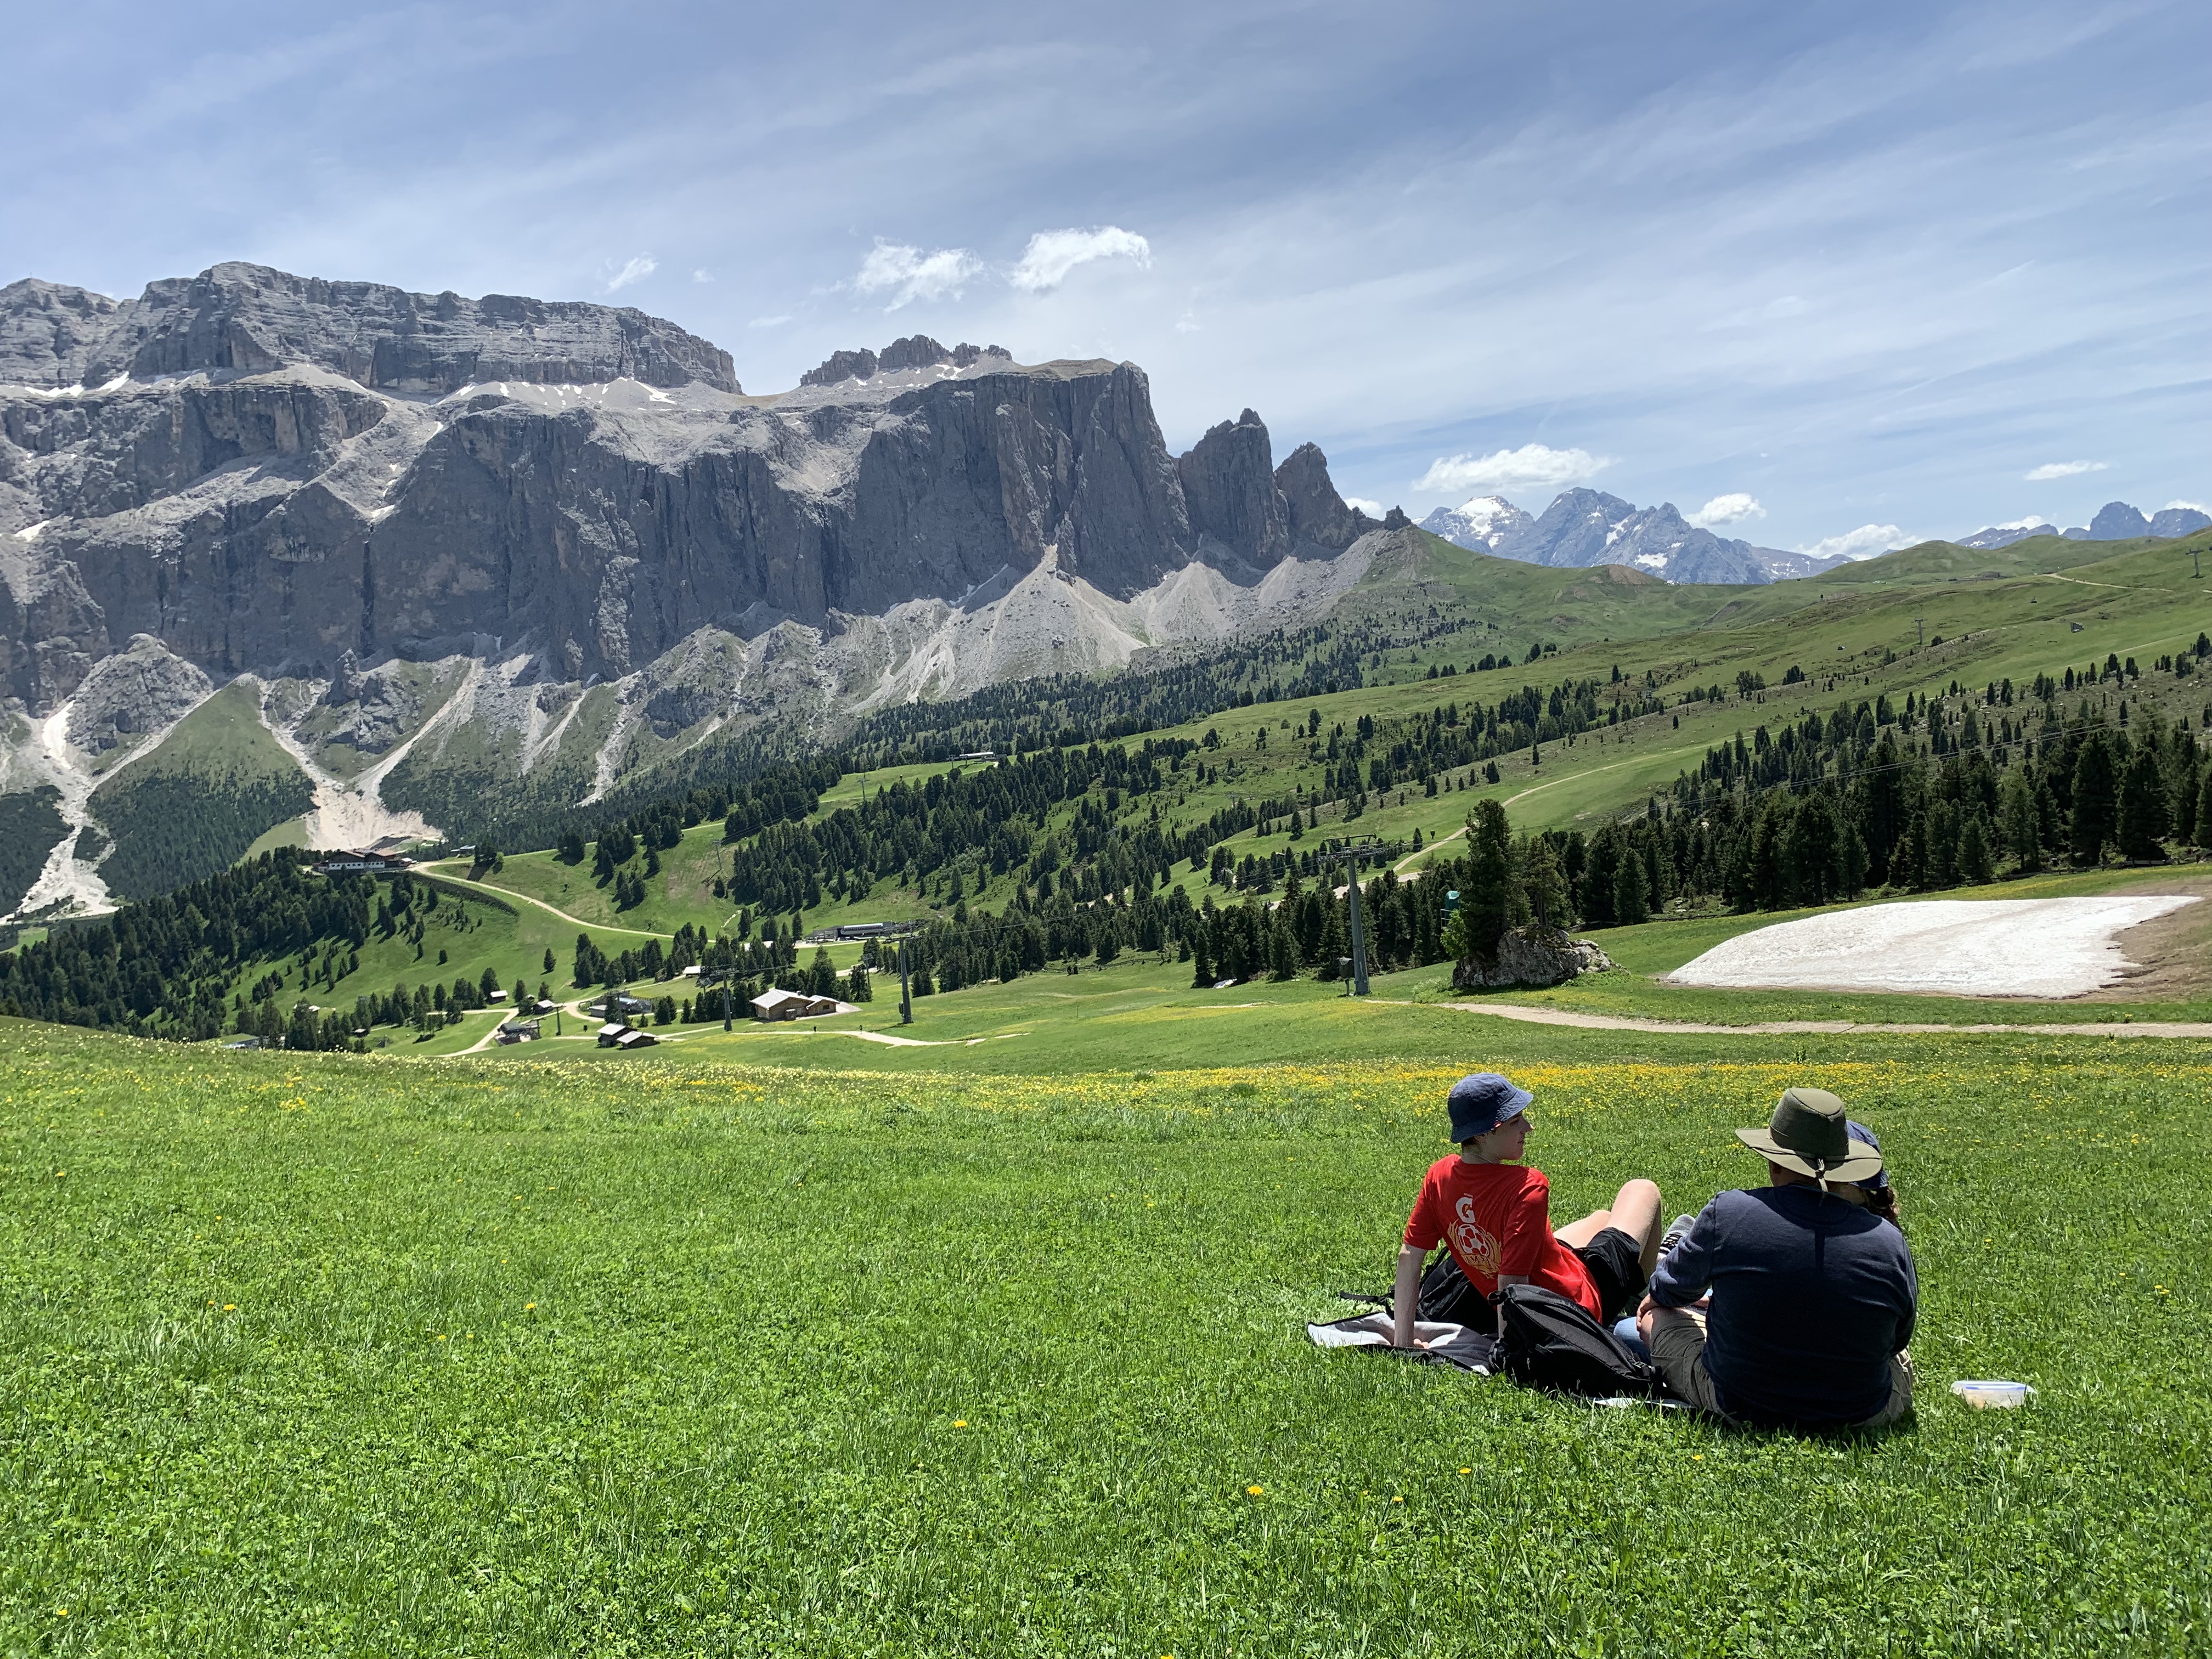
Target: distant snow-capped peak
(1484, 522)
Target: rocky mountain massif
(2116, 521)
(457, 545)
(1588, 528)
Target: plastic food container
(1992, 1394)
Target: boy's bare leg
(1635, 1211)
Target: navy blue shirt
(1811, 1297)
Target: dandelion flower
(527, 1306)
(230, 1307)
(1256, 1492)
(959, 1422)
(1466, 1471)
(1397, 1500)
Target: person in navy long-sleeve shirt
(1813, 1294)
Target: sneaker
(1674, 1236)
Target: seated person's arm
(1406, 1297)
(1684, 1273)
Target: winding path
(1537, 1015)
(485, 887)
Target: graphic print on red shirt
(1496, 1219)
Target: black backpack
(1546, 1340)
(1448, 1294)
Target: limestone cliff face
(266, 472)
(1255, 513)
(249, 318)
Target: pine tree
(1486, 905)
(2142, 819)
(1976, 863)
(1810, 852)
(2096, 801)
(1544, 879)
(2016, 819)
(1334, 948)
(1630, 903)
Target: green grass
(377, 1356)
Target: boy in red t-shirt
(1494, 1213)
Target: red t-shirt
(1496, 1217)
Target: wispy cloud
(907, 274)
(1051, 254)
(702, 275)
(1372, 509)
(2051, 470)
(769, 322)
(2197, 506)
(1867, 541)
(641, 267)
(1736, 508)
(1532, 466)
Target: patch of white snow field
(2050, 947)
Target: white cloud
(1372, 509)
(2028, 523)
(637, 270)
(1732, 508)
(1051, 254)
(2196, 506)
(1187, 324)
(1532, 466)
(907, 274)
(1867, 541)
(769, 322)
(702, 275)
(2051, 470)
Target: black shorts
(1616, 1268)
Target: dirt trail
(434, 871)
(1536, 1016)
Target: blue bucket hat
(1479, 1103)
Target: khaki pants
(1678, 1349)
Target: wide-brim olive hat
(1809, 1133)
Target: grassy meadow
(789, 1344)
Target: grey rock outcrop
(248, 319)
(2172, 521)
(1229, 483)
(48, 331)
(1318, 515)
(915, 351)
(1256, 514)
(2116, 521)
(1533, 955)
(143, 688)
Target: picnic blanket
(1447, 1344)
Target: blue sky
(1863, 264)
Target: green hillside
(196, 803)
